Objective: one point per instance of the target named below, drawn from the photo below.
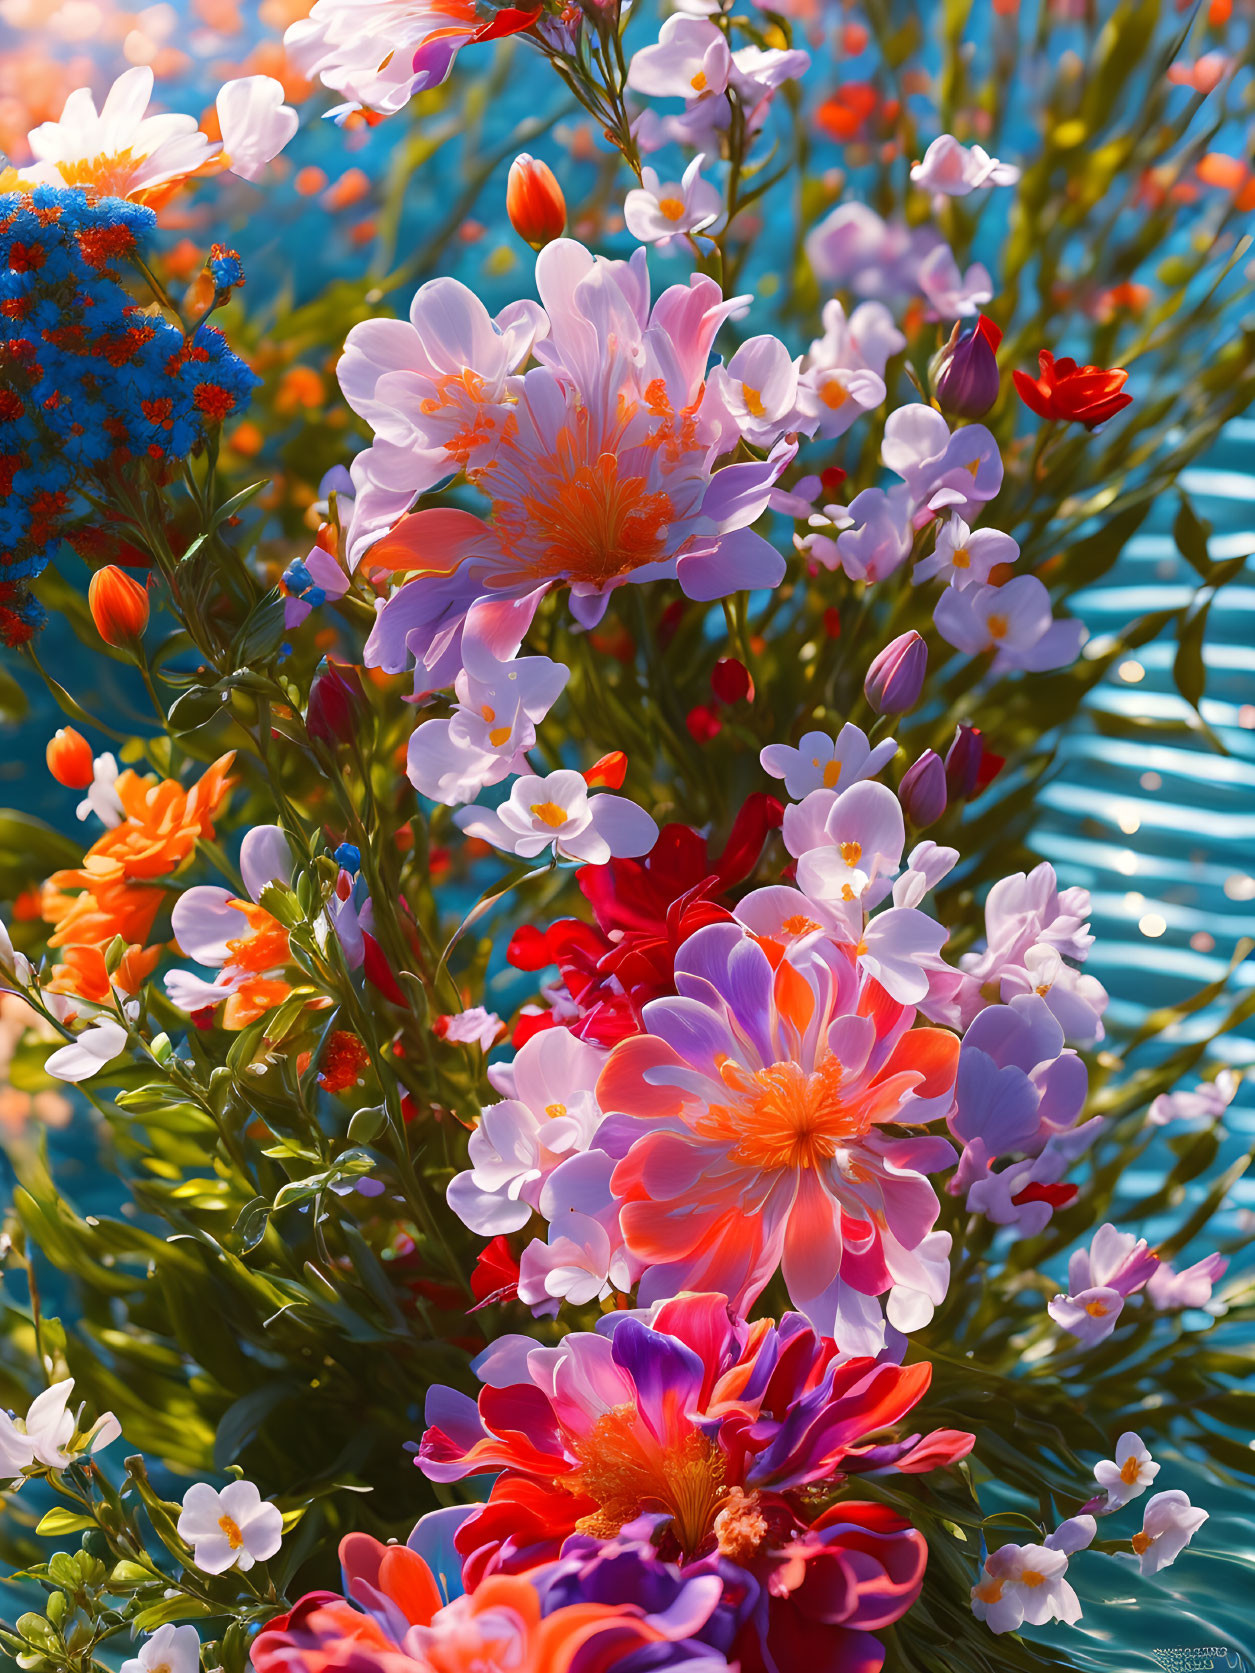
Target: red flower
(1089, 395)
(645, 910)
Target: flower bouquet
(587, 1143)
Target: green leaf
(61, 1520)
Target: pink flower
(518, 1143)
(1115, 1266)
(1024, 1583)
(379, 53)
(963, 557)
(691, 60)
(664, 213)
(500, 702)
(1129, 1474)
(950, 293)
(1167, 1289)
(953, 170)
(473, 1027)
(1169, 1524)
(941, 469)
(1013, 621)
(759, 388)
(1207, 1102)
(821, 762)
(598, 464)
(748, 1117)
(557, 812)
(843, 374)
(881, 539)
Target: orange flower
(69, 757)
(119, 607)
(85, 976)
(534, 201)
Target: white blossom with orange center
(232, 1529)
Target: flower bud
(922, 791)
(963, 762)
(69, 757)
(965, 373)
(730, 680)
(119, 607)
(896, 678)
(534, 202)
(332, 713)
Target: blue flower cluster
(93, 389)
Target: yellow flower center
(961, 558)
(231, 1528)
(1129, 1473)
(834, 394)
(753, 401)
(832, 774)
(1031, 1577)
(672, 208)
(1097, 1309)
(629, 1472)
(997, 627)
(851, 853)
(549, 813)
(1143, 1542)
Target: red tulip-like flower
(119, 607)
(1090, 395)
(69, 757)
(534, 201)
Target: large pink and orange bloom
(598, 465)
(748, 1117)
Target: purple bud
(922, 791)
(332, 715)
(963, 762)
(965, 373)
(896, 678)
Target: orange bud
(609, 772)
(534, 201)
(119, 607)
(69, 757)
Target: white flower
(472, 1027)
(823, 763)
(660, 212)
(1024, 1583)
(88, 1054)
(953, 170)
(12, 961)
(557, 812)
(170, 1649)
(1129, 1474)
(1168, 1526)
(232, 1529)
(120, 149)
(45, 1435)
(255, 124)
(102, 797)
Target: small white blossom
(1129, 1474)
(232, 1529)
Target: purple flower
(896, 677)
(922, 791)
